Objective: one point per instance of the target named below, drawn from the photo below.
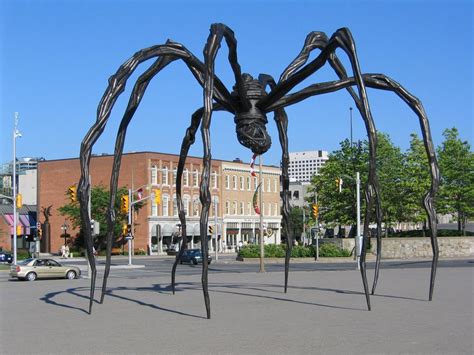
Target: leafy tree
(99, 203)
(339, 207)
(416, 181)
(456, 161)
(390, 173)
(296, 221)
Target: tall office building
(303, 165)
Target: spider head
(254, 136)
(251, 121)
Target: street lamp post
(65, 227)
(16, 134)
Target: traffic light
(157, 196)
(339, 184)
(40, 232)
(315, 209)
(211, 230)
(19, 230)
(72, 192)
(124, 229)
(19, 201)
(124, 204)
(129, 229)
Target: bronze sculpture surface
(250, 102)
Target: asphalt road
(323, 312)
(152, 266)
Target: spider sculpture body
(250, 102)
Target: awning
(25, 221)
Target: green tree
(338, 206)
(390, 174)
(416, 181)
(99, 202)
(456, 161)
(296, 221)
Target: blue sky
(56, 58)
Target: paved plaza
(322, 313)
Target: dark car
(193, 256)
(6, 257)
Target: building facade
(157, 226)
(303, 165)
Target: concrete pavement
(322, 313)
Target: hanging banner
(255, 200)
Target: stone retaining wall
(406, 248)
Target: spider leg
(381, 81)
(281, 120)
(135, 99)
(319, 40)
(116, 86)
(188, 141)
(342, 38)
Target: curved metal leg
(281, 120)
(380, 81)
(188, 140)
(134, 101)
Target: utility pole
(215, 227)
(262, 250)
(358, 239)
(130, 224)
(16, 133)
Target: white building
(303, 165)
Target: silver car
(32, 269)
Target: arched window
(164, 177)
(186, 177)
(154, 175)
(165, 201)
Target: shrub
(250, 251)
(332, 250)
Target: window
(234, 209)
(195, 178)
(227, 182)
(276, 209)
(214, 179)
(186, 177)
(175, 173)
(175, 206)
(165, 176)
(227, 207)
(196, 204)
(269, 185)
(241, 178)
(234, 182)
(255, 182)
(154, 208)
(275, 185)
(248, 183)
(242, 212)
(249, 209)
(186, 205)
(165, 200)
(154, 175)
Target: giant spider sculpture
(250, 103)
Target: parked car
(193, 256)
(6, 257)
(32, 269)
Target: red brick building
(156, 225)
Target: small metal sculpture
(249, 102)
